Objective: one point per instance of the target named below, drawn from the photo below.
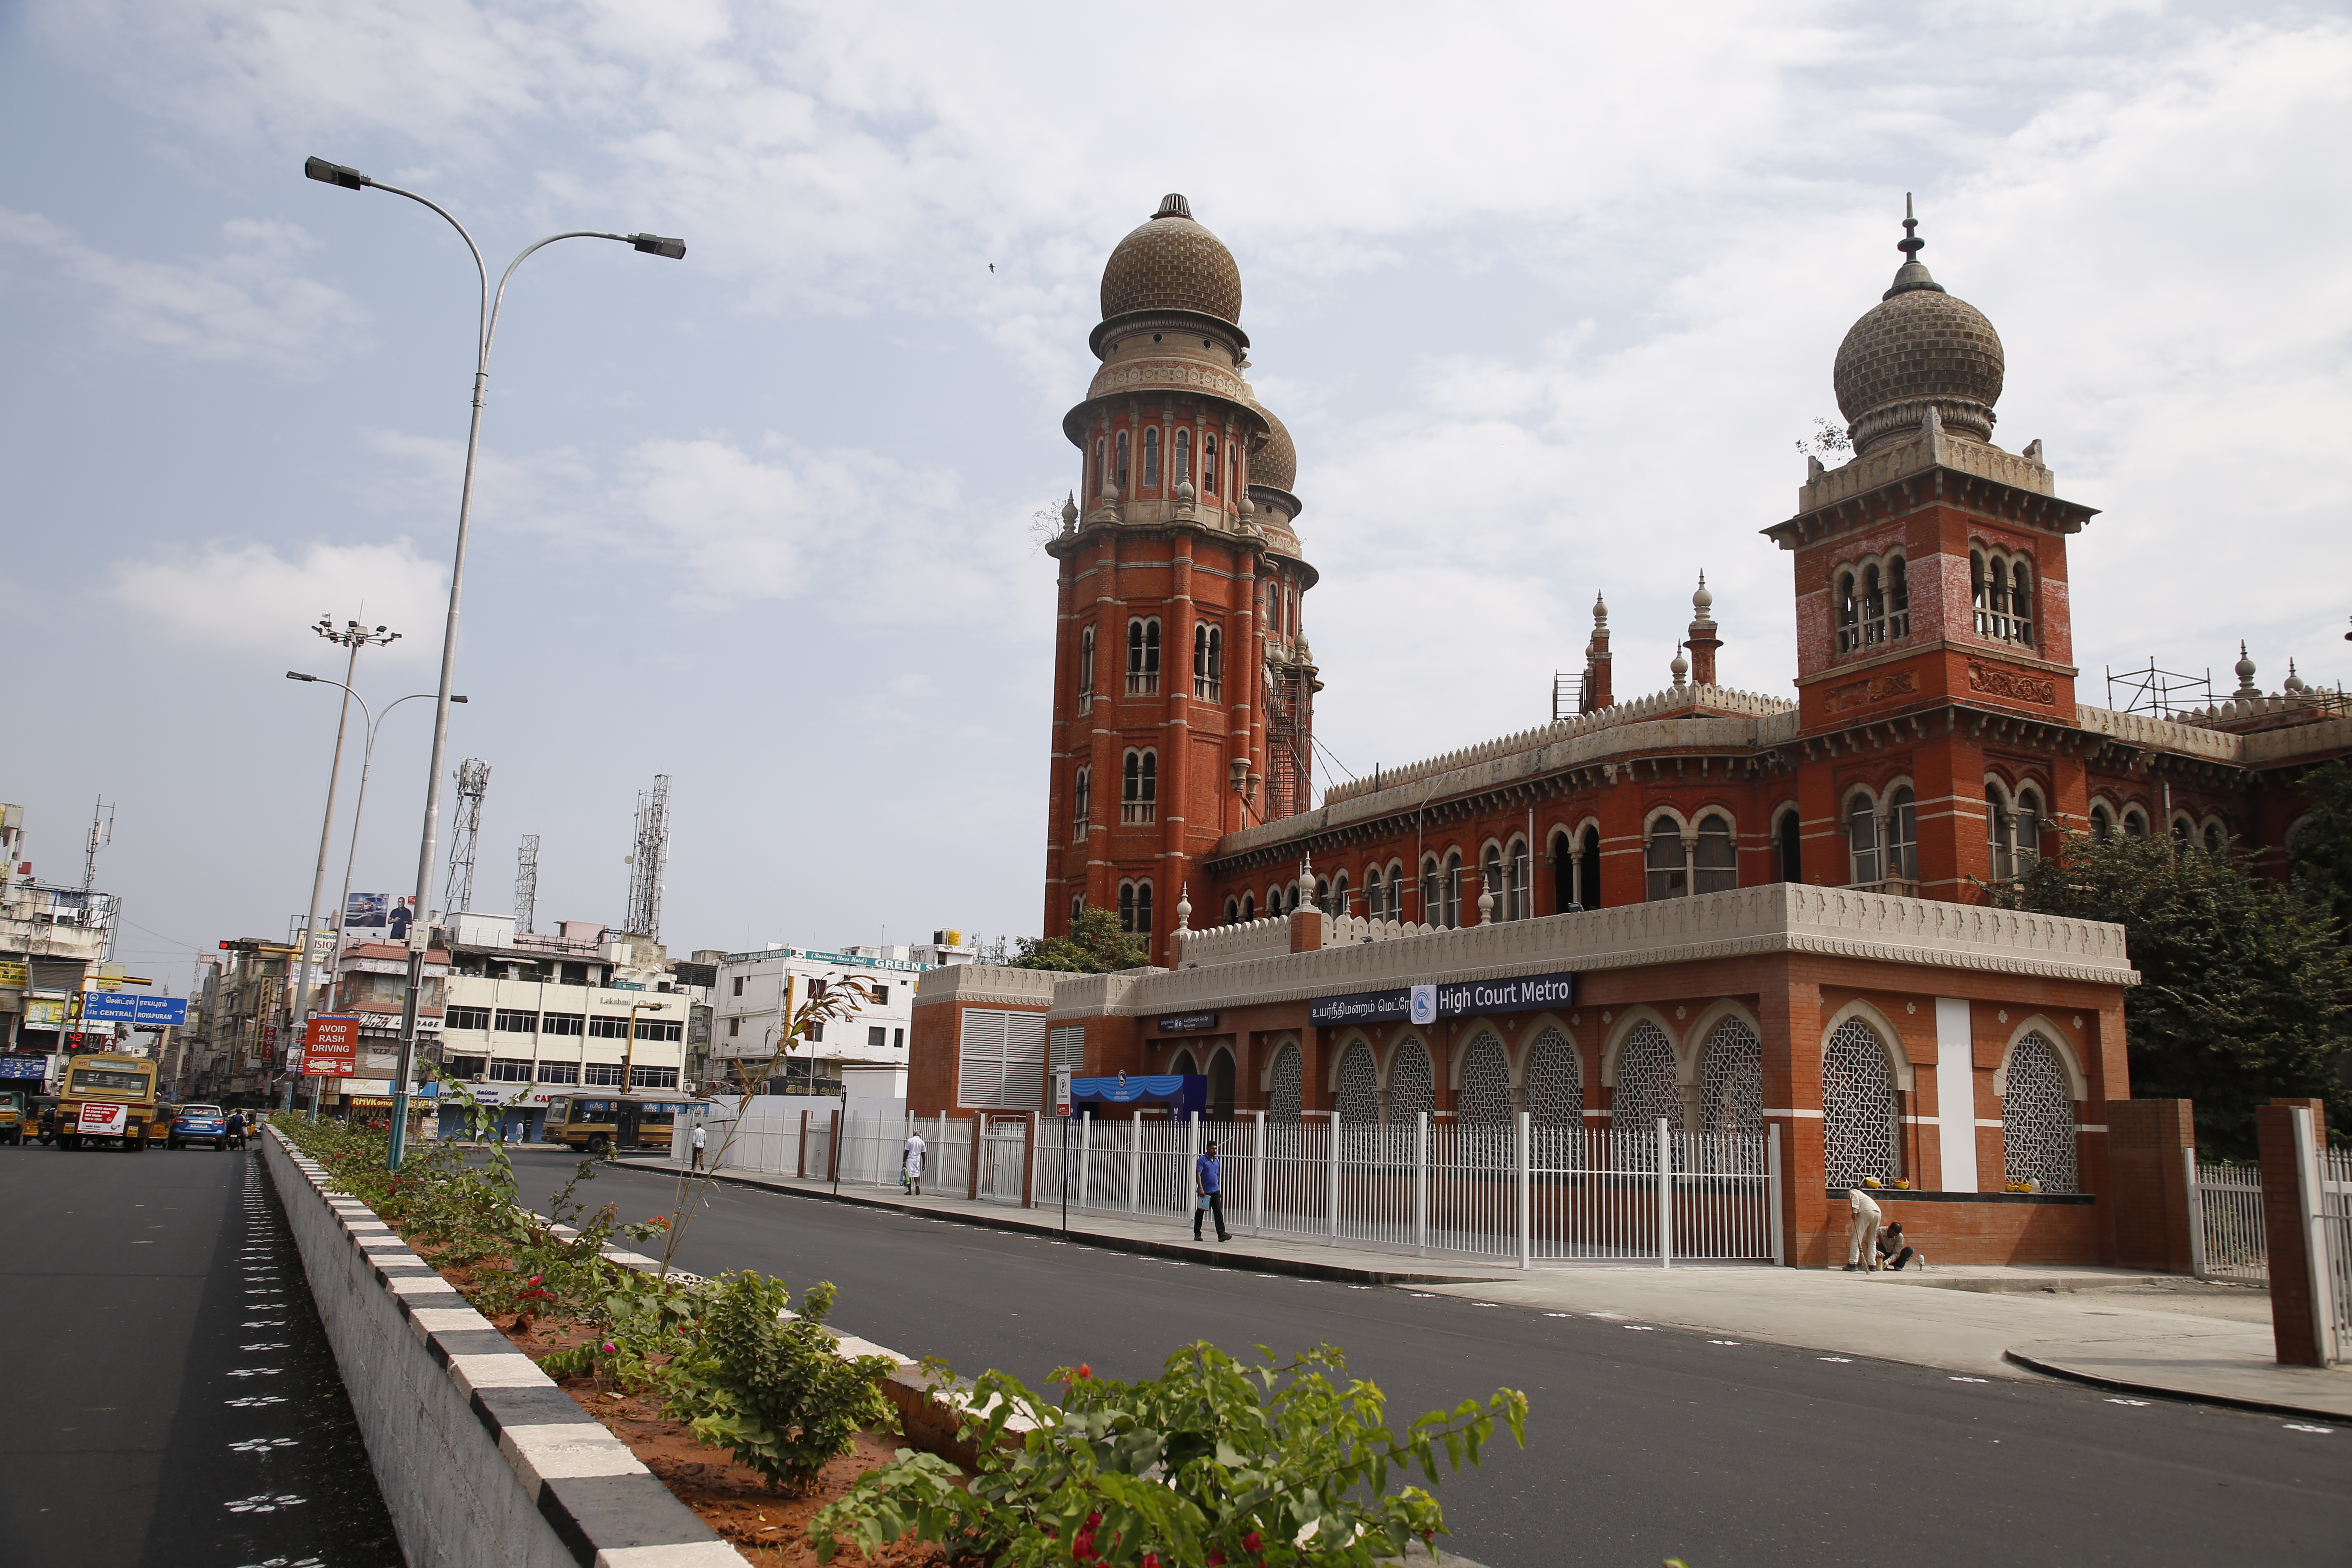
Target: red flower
(1216, 1559)
(1082, 1548)
(1251, 1543)
(1094, 1519)
(1151, 1560)
(1086, 1369)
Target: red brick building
(1774, 911)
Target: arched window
(1077, 908)
(2027, 824)
(1857, 1107)
(1999, 845)
(1669, 876)
(1849, 614)
(1086, 666)
(1485, 1097)
(1898, 599)
(1095, 473)
(1731, 1081)
(1208, 661)
(2134, 823)
(1127, 906)
(2214, 837)
(1452, 889)
(2037, 1117)
(1151, 458)
(2103, 825)
(1249, 907)
(1142, 926)
(1862, 841)
(1374, 893)
(1903, 835)
(1334, 898)
(1232, 478)
(1563, 874)
(1138, 799)
(1647, 1092)
(2021, 603)
(1413, 1084)
(1587, 871)
(1119, 448)
(1519, 871)
(1788, 843)
(1183, 468)
(1283, 1097)
(2004, 591)
(1232, 911)
(1081, 799)
(1360, 1101)
(1714, 863)
(1874, 607)
(1142, 657)
(1555, 1082)
(1208, 464)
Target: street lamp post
(420, 936)
(352, 636)
(374, 726)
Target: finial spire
(1913, 273)
(1910, 245)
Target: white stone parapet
(987, 984)
(1779, 917)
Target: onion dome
(1172, 264)
(1919, 347)
(1276, 462)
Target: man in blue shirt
(1208, 1194)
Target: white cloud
(251, 597)
(250, 303)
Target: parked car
(200, 1124)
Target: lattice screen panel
(2037, 1117)
(1359, 1099)
(1731, 1080)
(1486, 1098)
(1555, 1082)
(1413, 1087)
(1281, 1102)
(1857, 1107)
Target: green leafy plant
(1095, 945)
(769, 1386)
(1212, 1462)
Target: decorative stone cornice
(988, 986)
(1778, 918)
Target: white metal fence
(2226, 1239)
(1524, 1193)
(2332, 1219)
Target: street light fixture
(486, 332)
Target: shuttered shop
(1001, 1060)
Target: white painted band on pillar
(1956, 1094)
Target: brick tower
(1183, 688)
(1934, 644)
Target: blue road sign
(130, 1007)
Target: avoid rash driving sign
(1520, 994)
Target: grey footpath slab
(2237, 1368)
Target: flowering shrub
(1212, 1463)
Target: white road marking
(2300, 1427)
(1835, 1358)
(2136, 1404)
(1723, 1342)
(1958, 1379)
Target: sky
(1548, 295)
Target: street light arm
(491, 329)
(481, 269)
(321, 681)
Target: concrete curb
(1199, 1255)
(481, 1458)
(2158, 1390)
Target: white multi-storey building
(747, 1013)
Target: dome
(1276, 462)
(1172, 264)
(1919, 345)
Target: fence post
(1257, 1180)
(1134, 1158)
(1420, 1184)
(833, 1151)
(1524, 1153)
(1665, 1195)
(2196, 1214)
(1331, 1187)
(799, 1155)
(979, 1147)
(1085, 1157)
(1772, 1194)
(1029, 1163)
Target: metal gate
(2226, 1239)
(1004, 1144)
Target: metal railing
(2332, 1219)
(2226, 1239)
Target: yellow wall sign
(12, 974)
(45, 1015)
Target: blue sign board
(23, 1067)
(130, 1007)
(1521, 994)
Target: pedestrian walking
(1208, 1192)
(910, 1173)
(1862, 1238)
(700, 1138)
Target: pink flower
(609, 1347)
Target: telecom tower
(645, 863)
(473, 783)
(525, 883)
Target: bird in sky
(992, 266)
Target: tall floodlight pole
(420, 931)
(352, 636)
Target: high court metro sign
(1428, 1004)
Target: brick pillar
(2148, 1183)
(1307, 928)
(2294, 1321)
(1789, 1007)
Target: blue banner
(1181, 1092)
(23, 1067)
(130, 1007)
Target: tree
(2321, 858)
(2245, 986)
(1095, 946)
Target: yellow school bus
(108, 1100)
(594, 1120)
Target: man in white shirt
(911, 1176)
(1862, 1243)
(700, 1138)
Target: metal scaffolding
(645, 862)
(526, 902)
(473, 783)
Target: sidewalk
(2140, 1333)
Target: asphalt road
(1643, 1442)
(170, 1397)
